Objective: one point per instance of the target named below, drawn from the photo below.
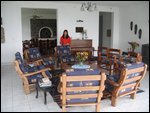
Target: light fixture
(88, 6)
(35, 16)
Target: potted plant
(81, 57)
(134, 45)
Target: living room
(69, 16)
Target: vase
(81, 63)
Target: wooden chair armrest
(39, 71)
(112, 82)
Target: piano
(81, 46)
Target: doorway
(105, 29)
(39, 29)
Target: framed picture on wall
(108, 32)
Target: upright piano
(81, 46)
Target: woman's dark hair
(67, 36)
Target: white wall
(139, 14)
(67, 14)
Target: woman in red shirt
(65, 38)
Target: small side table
(44, 89)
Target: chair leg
(63, 108)
(133, 95)
(98, 107)
(113, 101)
(26, 89)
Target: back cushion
(18, 57)
(82, 72)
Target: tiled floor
(13, 98)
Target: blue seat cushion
(134, 65)
(48, 74)
(34, 78)
(48, 62)
(74, 72)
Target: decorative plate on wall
(140, 33)
(131, 25)
(135, 28)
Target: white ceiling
(109, 3)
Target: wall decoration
(131, 25)
(37, 24)
(79, 20)
(135, 28)
(140, 33)
(79, 29)
(2, 33)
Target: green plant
(134, 45)
(81, 56)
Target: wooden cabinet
(81, 45)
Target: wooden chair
(82, 88)
(102, 56)
(113, 56)
(126, 82)
(29, 75)
(63, 54)
(33, 55)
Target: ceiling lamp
(35, 16)
(89, 7)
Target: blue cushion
(33, 78)
(134, 65)
(125, 90)
(34, 53)
(83, 72)
(63, 49)
(48, 74)
(23, 68)
(18, 57)
(26, 68)
(81, 100)
(74, 72)
(48, 62)
(114, 78)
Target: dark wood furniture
(45, 45)
(145, 54)
(82, 45)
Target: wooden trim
(81, 96)
(127, 93)
(86, 88)
(128, 86)
(81, 104)
(83, 78)
(40, 71)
